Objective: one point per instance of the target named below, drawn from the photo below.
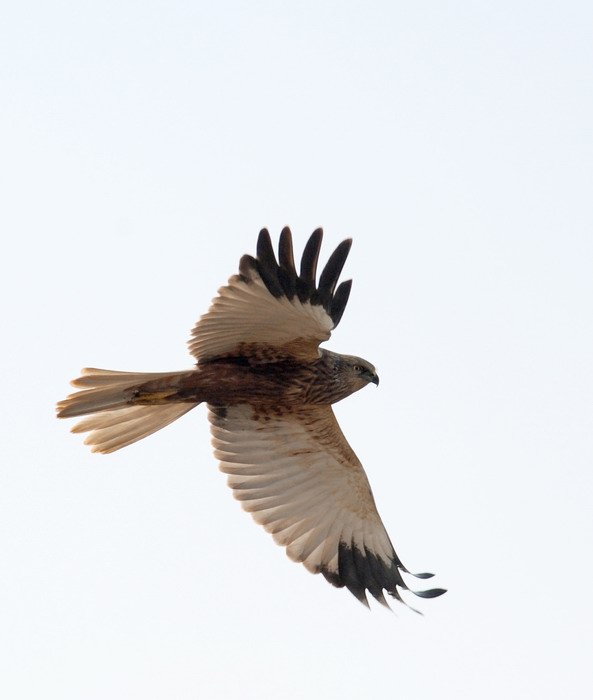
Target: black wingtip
(331, 273)
(363, 599)
(285, 254)
(267, 266)
(431, 593)
(423, 576)
(306, 281)
(287, 271)
(246, 265)
(339, 301)
(281, 278)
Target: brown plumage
(269, 388)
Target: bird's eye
(358, 368)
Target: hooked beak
(375, 379)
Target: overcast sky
(143, 145)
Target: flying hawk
(269, 389)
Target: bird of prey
(269, 389)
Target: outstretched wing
(268, 311)
(299, 478)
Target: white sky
(143, 146)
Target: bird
(269, 388)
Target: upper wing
(299, 478)
(268, 311)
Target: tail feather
(116, 429)
(93, 377)
(105, 390)
(114, 421)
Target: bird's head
(359, 372)
(349, 374)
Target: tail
(123, 407)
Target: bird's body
(243, 379)
(269, 388)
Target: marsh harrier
(269, 389)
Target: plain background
(143, 146)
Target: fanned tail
(123, 407)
